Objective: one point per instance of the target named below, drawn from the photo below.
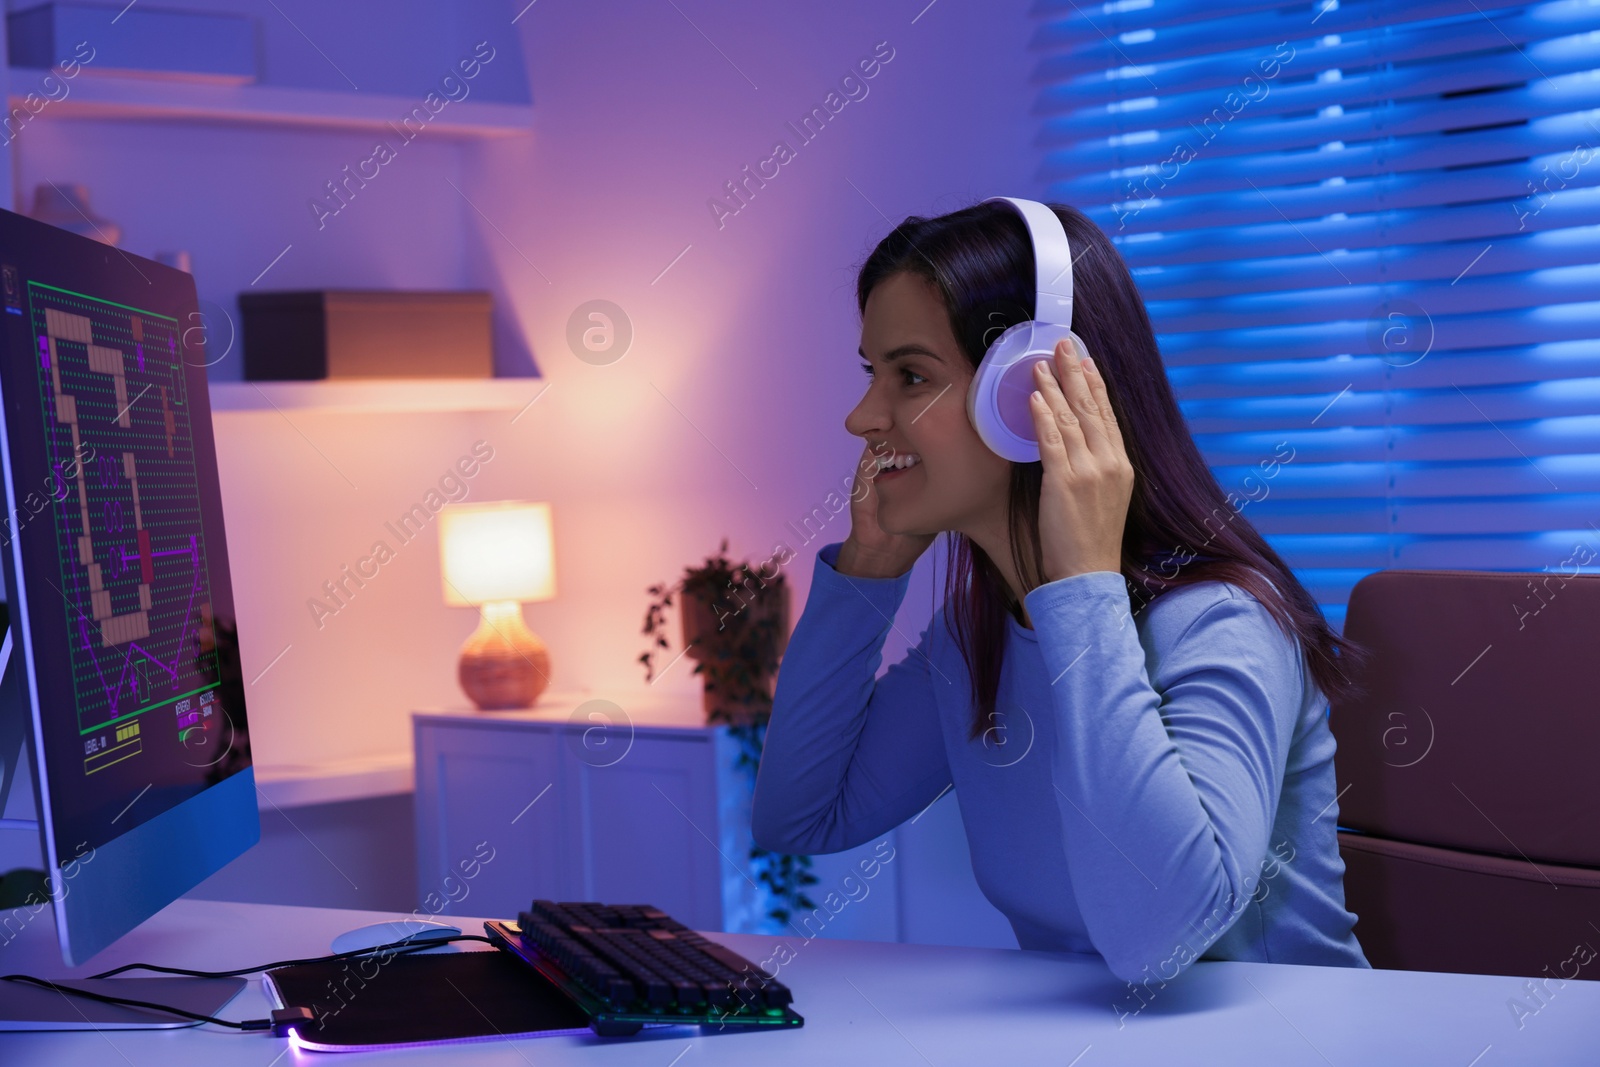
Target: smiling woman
(1171, 719)
(914, 407)
(932, 296)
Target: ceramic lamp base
(503, 664)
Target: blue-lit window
(1368, 230)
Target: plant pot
(701, 637)
(699, 616)
(720, 707)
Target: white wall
(743, 358)
(725, 418)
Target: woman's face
(916, 403)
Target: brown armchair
(1469, 772)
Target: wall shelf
(299, 785)
(102, 96)
(378, 395)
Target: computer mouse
(385, 933)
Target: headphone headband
(1052, 258)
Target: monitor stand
(27, 933)
(18, 815)
(17, 812)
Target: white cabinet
(577, 801)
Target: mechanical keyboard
(631, 965)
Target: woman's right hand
(870, 551)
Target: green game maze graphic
(128, 530)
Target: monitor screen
(116, 564)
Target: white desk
(886, 1004)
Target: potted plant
(734, 620)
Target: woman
(1126, 686)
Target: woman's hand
(870, 551)
(1088, 480)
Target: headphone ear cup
(1013, 394)
(982, 405)
(998, 397)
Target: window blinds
(1368, 234)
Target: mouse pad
(424, 999)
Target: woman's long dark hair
(1181, 527)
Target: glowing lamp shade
(496, 556)
(500, 551)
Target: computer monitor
(122, 680)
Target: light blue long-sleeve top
(1155, 788)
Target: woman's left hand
(1088, 480)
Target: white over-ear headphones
(997, 400)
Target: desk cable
(281, 1019)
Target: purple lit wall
(725, 416)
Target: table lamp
(497, 555)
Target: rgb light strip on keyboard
(631, 965)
